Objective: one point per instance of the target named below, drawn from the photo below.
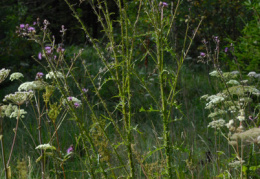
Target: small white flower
(18, 97)
(230, 123)
(244, 81)
(257, 75)
(32, 85)
(204, 97)
(7, 110)
(217, 124)
(45, 147)
(251, 74)
(236, 163)
(52, 74)
(234, 72)
(27, 86)
(233, 82)
(214, 99)
(258, 139)
(18, 113)
(16, 76)
(241, 118)
(214, 73)
(3, 74)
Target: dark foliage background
(223, 18)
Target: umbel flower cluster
(4, 74)
(16, 76)
(18, 98)
(12, 111)
(228, 107)
(51, 75)
(32, 85)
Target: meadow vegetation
(140, 101)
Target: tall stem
(58, 144)
(166, 132)
(15, 134)
(2, 145)
(40, 136)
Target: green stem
(15, 134)
(166, 132)
(2, 145)
(58, 144)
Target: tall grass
(125, 111)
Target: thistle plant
(123, 71)
(107, 121)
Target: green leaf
(142, 109)
(151, 153)
(39, 158)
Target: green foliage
(127, 104)
(233, 108)
(247, 48)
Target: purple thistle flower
(39, 75)
(85, 90)
(31, 29)
(70, 98)
(216, 39)
(163, 4)
(60, 49)
(39, 55)
(70, 149)
(34, 23)
(48, 50)
(226, 49)
(22, 26)
(76, 105)
(202, 54)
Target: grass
(147, 138)
(129, 114)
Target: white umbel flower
(251, 74)
(45, 147)
(217, 124)
(230, 123)
(32, 85)
(236, 163)
(233, 82)
(16, 76)
(18, 97)
(27, 86)
(18, 113)
(214, 73)
(3, 74)
(52, 74)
